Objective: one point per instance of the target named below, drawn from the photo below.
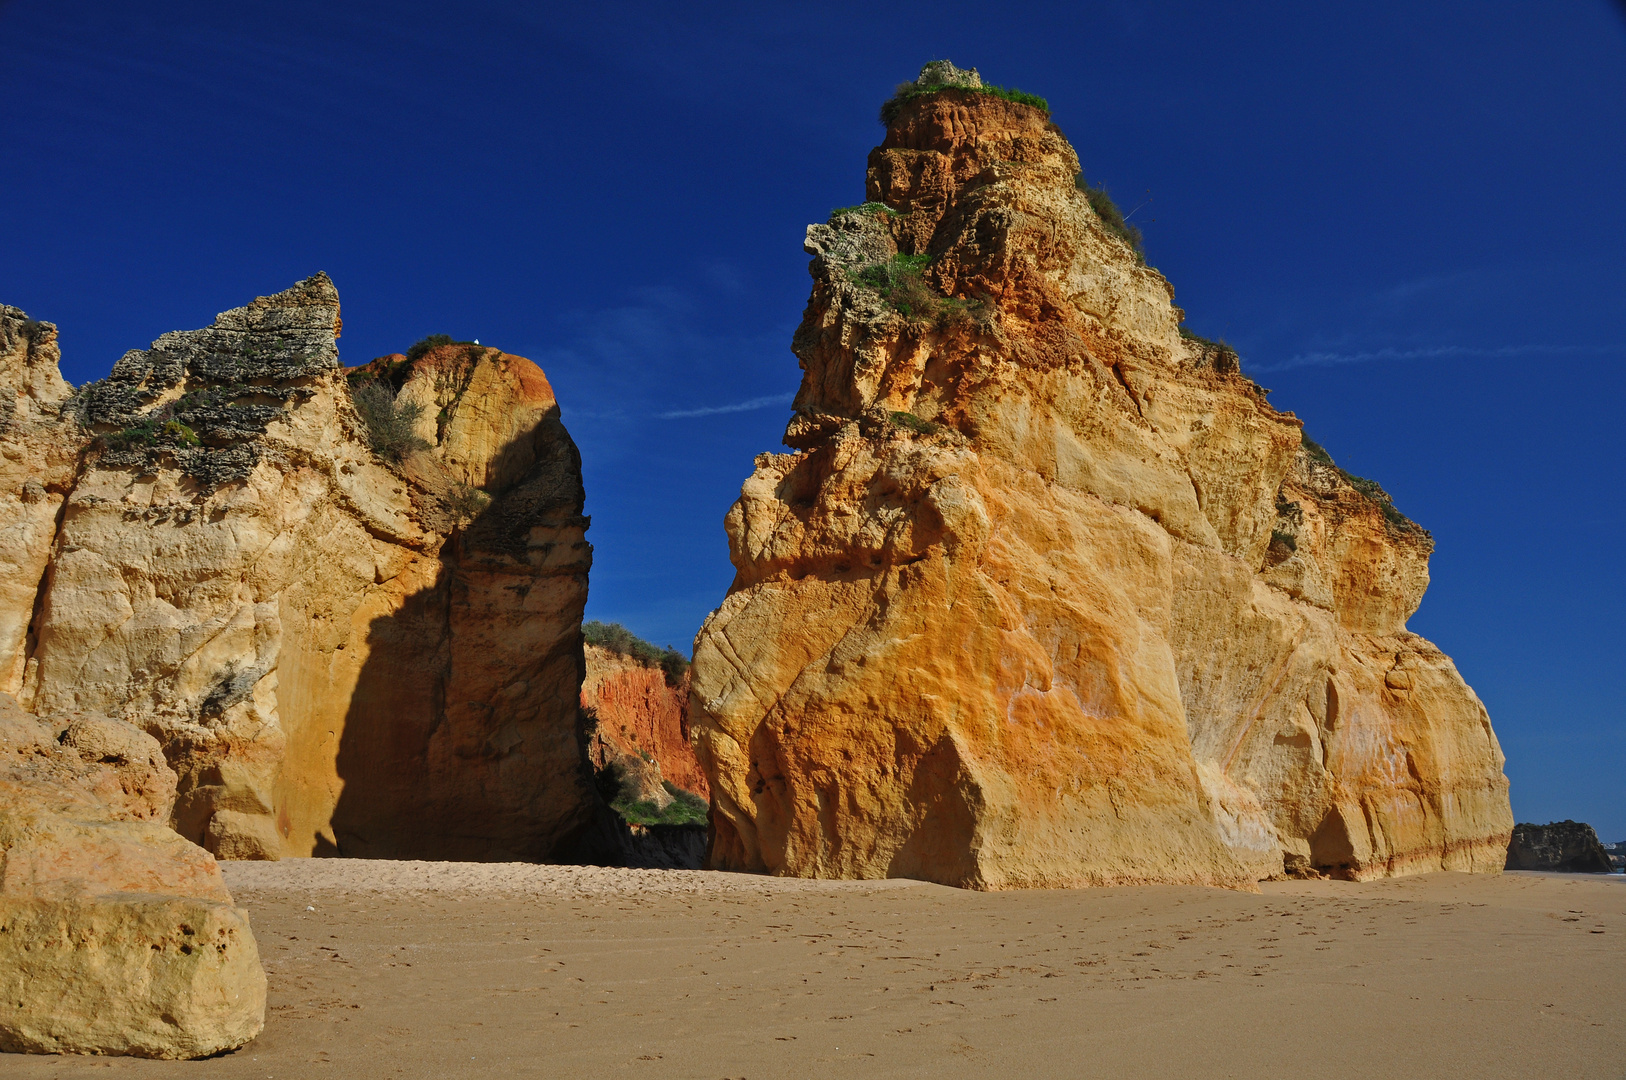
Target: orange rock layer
(639, 713)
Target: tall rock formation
(1048, 594)
(349, 637)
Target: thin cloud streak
(1331, 359)
(738, 406)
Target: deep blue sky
(1412, 223)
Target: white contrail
(1328, 359)
(738, 406)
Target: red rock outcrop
(640, 713)
(350, 636)
(1048, 594)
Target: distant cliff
(346, 604)
(639, 709)
(1047, 592)
(1570, 847)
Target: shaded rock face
(117, 936)
(1569, 847)
(339, 653)
(637, 710)
(1048, 594)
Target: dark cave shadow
(429, 774)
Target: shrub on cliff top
(433, 341)
(910, 422)
(1371, 490)
(866, 208)
(909, 91)
(618, 639)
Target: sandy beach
(406, 970)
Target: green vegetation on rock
(910, 422)
(908, 92)
(433, 341)
(1370, 489)
(865, 208)
(902, 284)
(389, 421)
(618, 639)
(686, 808)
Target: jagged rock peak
(944, 73)
(202, 399)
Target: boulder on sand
(117, 935)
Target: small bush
(899, 281)
(686, 808)
(389, 421)
(1370, 489)
(902, 284)
(910, 422)
(433, 341)
(1284, 539)
(618, 639)
(1317, 452)
(1217, 354)
(465, 502)
(155, 430)
(1113, 218)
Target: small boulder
(117, 935)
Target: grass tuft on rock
(866, 208)
(1112, 217)
(910, 422)
(1371, 490)
(902, 284)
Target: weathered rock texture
(1570, 847)
(1049, 594)
(639, 713)
(117, 936)
(338, 653)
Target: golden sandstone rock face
(1049, 594)
(117, 936)
(340, 650)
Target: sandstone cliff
(639, 712)
(117, 936)
(1048, 593)
(347, 638)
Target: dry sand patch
(407, 970)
